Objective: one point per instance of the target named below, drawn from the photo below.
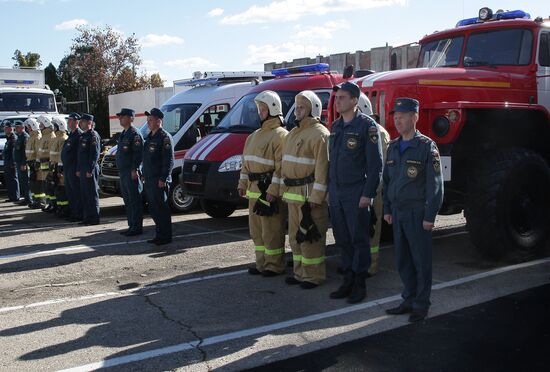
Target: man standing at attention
(413, 193)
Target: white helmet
(364, 104)
(31, 123)
(314, 101)
(272, 100)
(60, 122)
(45, 121)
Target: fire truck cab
(211, 167)
(484, 92)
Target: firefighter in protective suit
(304, 172)
(365, 107)
(45, 174)
(260, 180)
(31, 151)
(62, 202)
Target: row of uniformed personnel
(310, 165)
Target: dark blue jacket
(19, 155)
(129, 153)
(158, 156)
(9, 148)
(355, 156)
(89, 147)
(413, 179)
(69, 152)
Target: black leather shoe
(163, 241)
(133, 233)
(92, 223)
(269, 273)
(254, 271)
(308, 285)
(83, 223)
(418, 315)
(345, 289)
(125, 232)
(290, 280)
(153, 241)
(358, 289)
(401, 309)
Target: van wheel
(217, 209)
(508, 209)
(181, 202)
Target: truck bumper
(202, 179)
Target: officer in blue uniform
(413, 193)
(69, 158)
(158, 159)
(355, 168)
(128, 160)
(88, 170)
(10, 172)
(20, 158)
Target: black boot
(345, 288)
(359, 288)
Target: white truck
(189, 115)
(23, 93)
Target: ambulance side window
(209, 119)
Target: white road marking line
(83, 247)
(285, 324)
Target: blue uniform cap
(19, 122)
(155, 112)
(126, 112)
(405, 105)
(350, 87)
(8, 124)
(74, 115)
(87, 117)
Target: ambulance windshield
(243, 117)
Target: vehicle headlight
(441, 126)
(231, 164)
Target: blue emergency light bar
(25, 82)
(316, 67)
(513, 14)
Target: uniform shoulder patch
(137, 139)
(166, 142)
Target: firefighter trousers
(375, 240)
(308, 258)
(268, 235)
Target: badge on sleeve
(137, 140)
(373, 134)
(167, 143)
(436, 161)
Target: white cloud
(152, 40)
(150, 66)
(71, 24)
(216, 12)
(278, 53)
(325, 31)
(292, 10)
(193, 62)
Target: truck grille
(194, 176)
(108, 166)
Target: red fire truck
(484, 92)
(211, 167)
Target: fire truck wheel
(508, 208)
(181, 202)
(217, 209)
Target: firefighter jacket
(20, 153)
(57, 146)
(48, 137)
(32, 146)
(262, 154)
(413, 179)
(305, 155)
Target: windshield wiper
(240, 129)
(479, 63)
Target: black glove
(262, 206)
(307, 230)
(372, 221)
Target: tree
(52, 79)
(105, 62)
(29, 60)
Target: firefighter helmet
(60, 122)
(31, 123)
(272, 100)
(364, 104)
(45, 121)
(314, 101)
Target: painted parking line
(266, 329)
(83, 247)
(157, 286)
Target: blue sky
(179, 37)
